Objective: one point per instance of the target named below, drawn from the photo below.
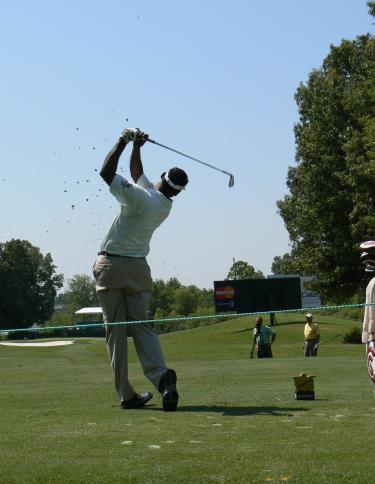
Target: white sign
(309, 298)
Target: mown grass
(237, 420)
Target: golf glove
(129, 134)
(316, 347)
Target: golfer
(123, 277)
(263, 338)
(311, 335)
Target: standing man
(368, 329)
(263, 338)
(123, 277)
(312, 336)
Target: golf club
(329, 339)
(231, 177)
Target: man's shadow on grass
(239, 411)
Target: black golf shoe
(137, 401)
(167, 388)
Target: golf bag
(370, 347)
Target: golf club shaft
(329, 339)
(231, 181)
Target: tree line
(330, 209)
(169, 299)
(29, 285)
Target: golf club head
(231, 181)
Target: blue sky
(214, 79)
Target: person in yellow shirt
(311, 336)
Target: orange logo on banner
(224, 292)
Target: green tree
(285, 264)
(159, 298)
(206, 301)
(162, 296)
(171, 299)
(28, 285)
(331, 205)
(185, 300)
(242, 270)
(81, 292)
(172, 283)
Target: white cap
(309, 315)
(368, 246)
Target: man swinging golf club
(123, 278)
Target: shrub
(353, 337)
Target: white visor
(171, 184)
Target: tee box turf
(304, 387)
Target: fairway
(237, 420)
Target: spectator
(312, 336)
(263, 338)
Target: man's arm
(110, 164)
(109, 167)
(136, 167)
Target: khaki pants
(309, 347)
(123, 287)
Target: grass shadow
(291, 323)
(321, 323)
(238, 411)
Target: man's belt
(103, 252)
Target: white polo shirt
(369, 316)
(142, 210)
